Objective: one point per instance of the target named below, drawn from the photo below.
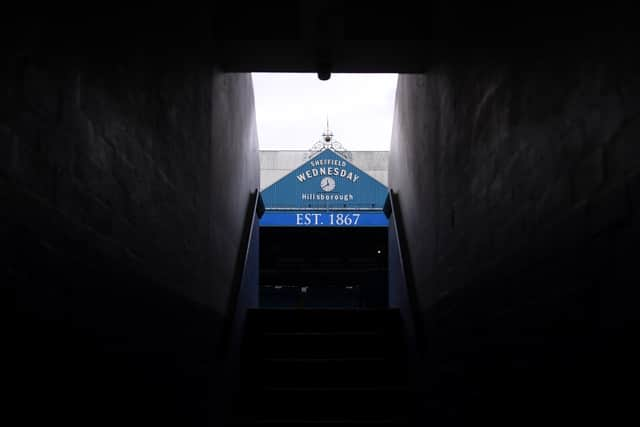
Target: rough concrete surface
(124, 192)
(517, 182)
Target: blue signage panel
(324, 219)
(326, 181)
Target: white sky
(292, 109)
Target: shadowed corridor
(128, 172)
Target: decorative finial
(327, 133)
(327, 141)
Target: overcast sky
(292, 109)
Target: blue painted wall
(326, 181)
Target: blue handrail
(403, 293)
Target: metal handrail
(392, 209)
(233, 328)
(255, 206)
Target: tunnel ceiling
(365, 36)
(314, 36)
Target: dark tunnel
(129, 170)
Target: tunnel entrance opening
(323, 235)
(323, 267)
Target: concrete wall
(124, 187)
(518, 178)
(274, 164)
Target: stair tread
(346, 422)
(324, 366)
(336, 388)
(324, 359)
(337, 421)
(324, 333)
(323, 310)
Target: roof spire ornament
(327, 141)
(327, 135)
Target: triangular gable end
(325, 181)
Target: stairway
(323, 367)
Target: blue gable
(326, 181)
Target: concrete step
(323, 367)
(321, 320)
(363, 371)
(323, 344)
(326, 403)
